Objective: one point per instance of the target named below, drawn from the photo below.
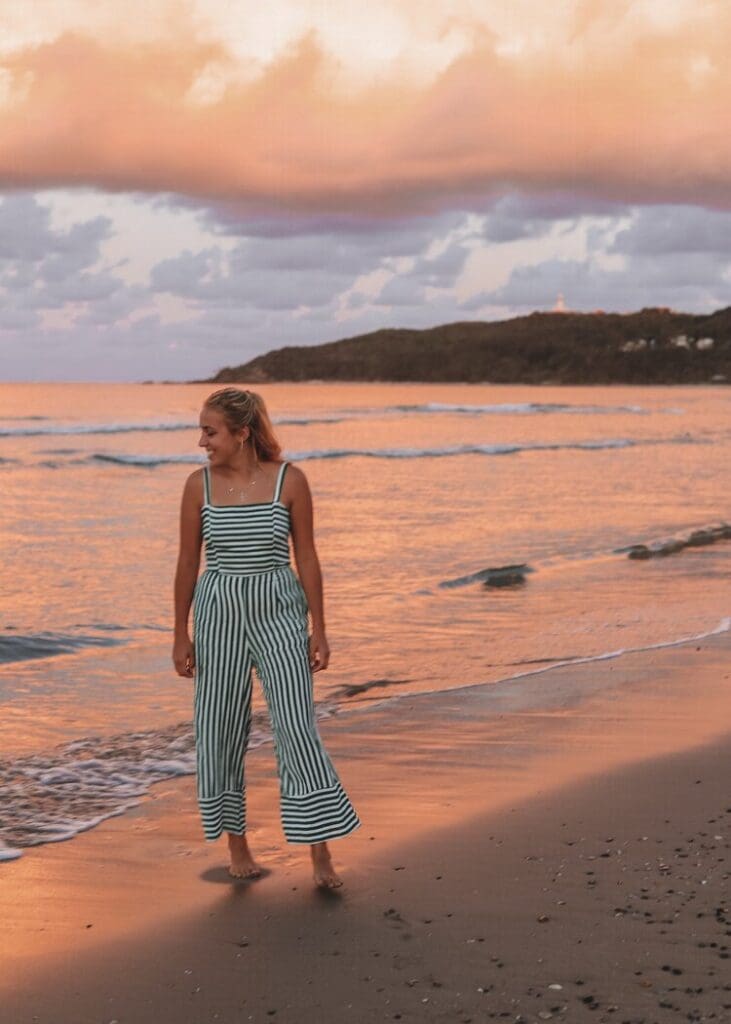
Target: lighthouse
(560, 306)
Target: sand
(555, 850)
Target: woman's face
(220, 444)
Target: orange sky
(187, 183)
(595, 97)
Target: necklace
(242, 490)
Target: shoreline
(478, 791)
(521, 691)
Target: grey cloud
(280, 275)
(138, 351)
(84, 288)
(519, 215)
(409, 288)
(17, 276)
(320, 315)
(536, 286)
(676, 256)
(42, 267)
(562, 205)
(401, 291)
(231, 317)
(399, 235)
(659, 230)
(357, 300)
(116, 306)
(243, 286)
(184, 274)
(692, 285)
(280, 270)
(74, 250)
(440, 310)
(327, 252)
(14, 319)
(24, 228)
(348, 251)
(679, 270)
(205, 278)
(26, 237)
(443, 270)
(309, 289)
(476, 301)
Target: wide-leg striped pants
(260, 621)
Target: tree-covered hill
(653, 346)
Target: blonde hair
(241, 409)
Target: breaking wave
(55, 795)
(305, 455)
(518, 408)
(42, 426)
(151, 426)
(71, 429)
(47, 645)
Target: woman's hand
(184, 656)
(319, 650)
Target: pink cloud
(646, 121)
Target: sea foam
(16, 647)
(142, 426)
(438, 451)
(517, 408)
(52, 796)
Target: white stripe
(250, 612)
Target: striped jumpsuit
(249, 610)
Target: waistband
(212, 570)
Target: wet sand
(525, 855)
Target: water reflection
(93, 542)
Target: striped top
(244, 540)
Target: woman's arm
(186, 574)
(308, 564)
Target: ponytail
(241, 409)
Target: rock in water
(669, 547)
(697, 539)
(639, 551)
(700, 537)
(506, 575)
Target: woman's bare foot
(325, 875)
(243, 864)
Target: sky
(185, 184)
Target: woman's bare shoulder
(194, 483)
(295, 482)
(293, 471)
(295, 475)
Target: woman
(250, 610)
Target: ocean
(418, 490)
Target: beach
(524, 855)
(365, 379)
(540, 768)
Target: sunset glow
(389, 132)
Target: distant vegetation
(654, 346)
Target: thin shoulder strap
(280, 481)
(206, 485)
